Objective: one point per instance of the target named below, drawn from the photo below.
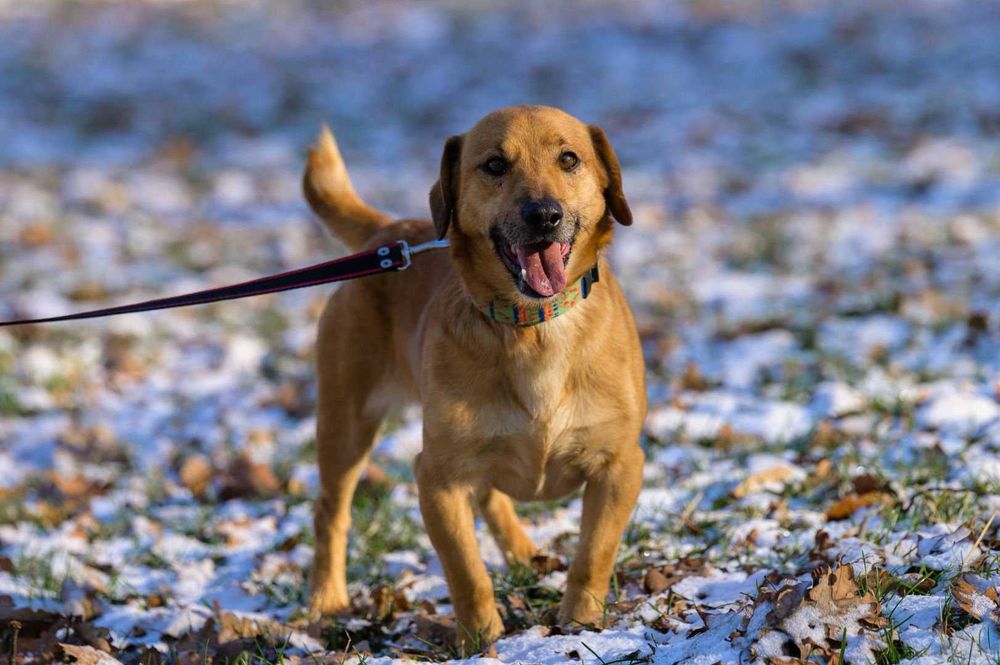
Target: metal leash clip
(408, 251)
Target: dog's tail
(331, 195)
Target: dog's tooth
(524, 274)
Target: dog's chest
(543, 428)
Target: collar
(504, 311)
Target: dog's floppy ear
(444, 193)
(614, 196)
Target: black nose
(544, 214)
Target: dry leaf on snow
(772, 478)
(980, 601)
(848, 505)
(196, 474)
(84, 655)
(833, 607)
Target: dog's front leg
(447, 511)
(608, 500)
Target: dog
(518, 343)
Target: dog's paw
(475, 636)
(328, 602)
(521, 553)
(581, 608)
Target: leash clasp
(408, 251)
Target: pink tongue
(543, 267)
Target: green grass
(527, 603)
(378, 527)
(37, 574)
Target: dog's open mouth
(538, 268)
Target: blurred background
(815, 265)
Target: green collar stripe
(503, 311)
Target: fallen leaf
(824, 473)
(84, 655)
(867, 483)
(832, 608)
(692, 378)
(386, 602)
(771, 479)
(233, 628)
(37, 234)
(826, 436)
(546, 563)
(434, 629)
(246, 478)
(978, 601)
(196, 474)
(654, 581)
(848, 505)
(72, 487)
(727, 437)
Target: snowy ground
(815, 267)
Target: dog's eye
(496, 166)
(568, 160)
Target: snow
(813, 270)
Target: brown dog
(512, 407)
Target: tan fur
(524, 413)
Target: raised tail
(331, 195)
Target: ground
(815, 269)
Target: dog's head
(527, 198)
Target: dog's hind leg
(346, 425)
(343, 451)
(498, 511)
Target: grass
(526, 602)
(378, 527)
(38, 574)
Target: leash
(394, 257)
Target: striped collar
(504, 311)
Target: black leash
(387, 258)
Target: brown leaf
(836, 586)
(84, 655)
(848, 505)
(93, 635)
(826, 436)
(387, 603)
(866, 483)
(37, 234)
(246, 478)
(824, 473)
(72, 487)
(980, 604)
(546, 563)
(654, 581)
(727, 437)
(234, 628)
(833, 607)
(196, 474)
(692, 378)
(434, 629)
(772, 477)
(787, 600)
